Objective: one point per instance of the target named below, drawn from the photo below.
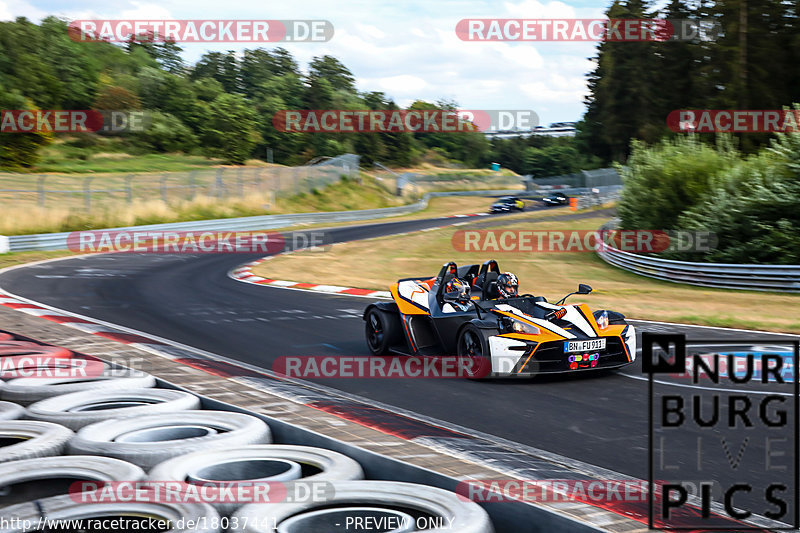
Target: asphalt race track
(598, 418)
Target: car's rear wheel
(473, 344)
(382, 330)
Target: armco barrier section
(779, 278)
(58, 241)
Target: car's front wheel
(473, 345)
(382, 329)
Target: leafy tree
(755, 201)
(115, 97)
(230, 132)
(165, 133)
(222, 67)
(19, 150)
(331, 69)
(663, 181)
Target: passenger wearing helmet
(456, 296)
(507, 285)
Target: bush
(20, 150)
(754, 208)
(165, 133)
(663, 181)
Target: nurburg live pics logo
(724, 449)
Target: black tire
(382, 330)
(36, 439)
(473, 343)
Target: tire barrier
(151, 439)
(43, 477)
(125, 426)
(261, 463)
(183, 518)
(410, 507)
(10, 411)
(80, 409)
(26, 391)
(27, 439)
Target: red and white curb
(84, 324)
(245, 273)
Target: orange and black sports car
(519, 336)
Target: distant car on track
(556, 199)
(518, 336)
(507, 204)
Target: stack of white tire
(59, 437)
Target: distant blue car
(507, 204)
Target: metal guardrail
(780, 278)
(58, 241)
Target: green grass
(97, 154)
(132, 163)
(18, 258)
(376, 263)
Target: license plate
(590, 345)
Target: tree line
(222, 106)
(750, 62)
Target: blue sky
(408, 49)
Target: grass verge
(18, 258)
(376, 263)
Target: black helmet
(456, 290)
(507, 285)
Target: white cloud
(532, 9)
(409, 51)
(11, 9)
(404, 84)
(145, 11)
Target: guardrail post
(87, 193)
(40, 187)
(128, 188)
(219, 183)
(163, 181)
(191, 184)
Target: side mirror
(584, 289)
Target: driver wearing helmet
(507, 286)
(456, 296)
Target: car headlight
(523, 327)
(602, 320)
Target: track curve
(600, 419)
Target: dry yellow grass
(376, 263)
